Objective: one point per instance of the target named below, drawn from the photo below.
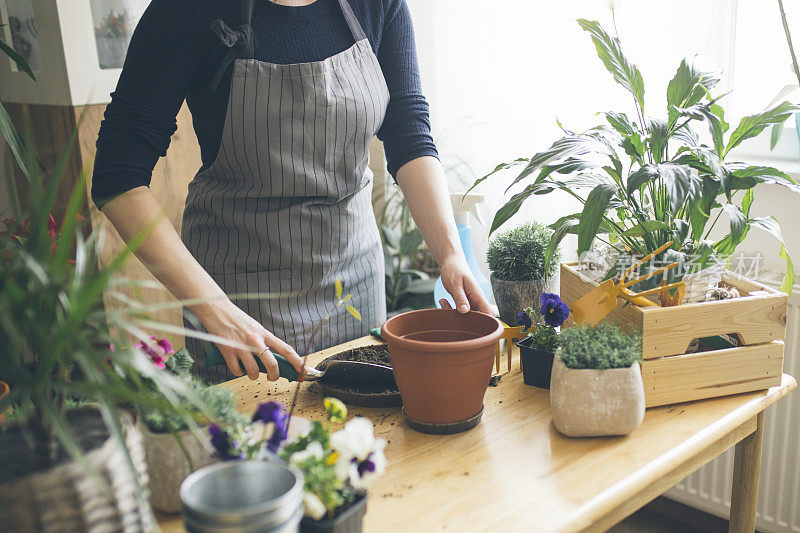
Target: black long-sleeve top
(173, 56)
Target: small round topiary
(519, 254)
(599, 347)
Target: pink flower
(157, 351)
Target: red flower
(157, 351)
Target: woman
(285, 96)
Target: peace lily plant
(646, 180)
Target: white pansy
(355, 444)
(313, 505)
(314, 449)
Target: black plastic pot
(536, 364)
(350, 520)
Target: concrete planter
(514, 296)
(595, 403)
(168, 467)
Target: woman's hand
(460, 283)
(228, 321)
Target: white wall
(512, 67)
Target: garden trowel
(595, 305)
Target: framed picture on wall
(21, 31)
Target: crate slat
(682, 378)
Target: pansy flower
(524, 319)
(360, 455)
(553, 310)
(274, 413)
(222, 442)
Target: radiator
(709, 489)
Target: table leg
(746, 470)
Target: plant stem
(789, 41)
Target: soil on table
(378, 354)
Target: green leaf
(420, 286)
(17, 58)
(771, 225)
(752, 125)
(621, 123)
(642, 176)
(14, 142)
(746, 177)
(658, 139)
(511, 207)
(410, 242)
(646, 226)
(714, 116)
(561, 228)
(678, 182)
(338, 288)
(593, 211)
(775, 135)
(738, 225)
(610, 52)
(689, 85)
(498, 168)
(391, 237)
(353, 311)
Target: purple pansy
(553, 310)
(276, 413)
(221, 441)
(365, 466)
(524, 319)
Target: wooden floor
(668, 516)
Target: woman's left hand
(460, 283)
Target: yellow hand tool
(595, 305)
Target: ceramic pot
(594, 403)
(69, 497)
(442, 363)
(350, 520)
(4, 391)
(512, 297)
(167, 465)
(536, 364)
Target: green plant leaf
(775, 135)
(738, 225)
(610, 53)
(511, 207)
(621, 123)
(498, 168)
(752, 125)
(17, 58)
(14, 142)
(561, 228)
(642, 176)
(678, 182)
(689, 85)
(593, 211)
(746, 177)
(353, 311)
(410, 242)
(771, 226)
(420, 286)
(648, 226)
(388, 262)
(391, 237)
(658, 139)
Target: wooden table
(515, 472)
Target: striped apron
(285, 208)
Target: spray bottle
(462, 207)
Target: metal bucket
(242, 496)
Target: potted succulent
(71, 446)
(537, 350)
(645, 181)
(172, 450)
(337, 467)
(520, 272)
(596, 387)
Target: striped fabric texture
(285, 209)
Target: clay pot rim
(5, 388)
(625, 368)
(428, 346)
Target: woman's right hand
(226, 320)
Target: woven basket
(69, 498)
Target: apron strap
(352, 21)
(238, 41)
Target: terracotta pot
(442, 363)
(4, 391)
(512, 297)
(168, 466)
(595, 403)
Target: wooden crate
(757, 318)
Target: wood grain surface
(515, 472)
